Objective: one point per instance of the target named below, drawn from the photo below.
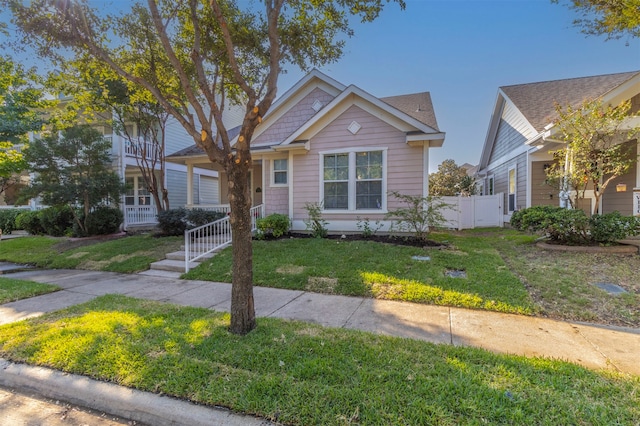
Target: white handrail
(205, 239)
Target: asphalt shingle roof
(416, 105)
(536, 101)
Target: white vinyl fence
(477, 211)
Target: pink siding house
(338, 146)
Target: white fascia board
(433, 140)
(356, 96)
(623, 92)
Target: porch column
(189, 184)
(425, 168)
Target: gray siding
(177, 186)
(513, 132)
(209, 193)
(621, 201)
(501, 181)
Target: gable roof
(415, 111)
(536, 101)
(416, 105)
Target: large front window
(353, 180)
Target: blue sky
(463, 50)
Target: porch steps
(173, 263)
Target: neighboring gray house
(521, 134)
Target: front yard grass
(298, 373)
(386, 271)
(127, 255)
(12, 290)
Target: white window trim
(352, 180)
(273, 183)
(515, 189)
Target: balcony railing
(146, 149)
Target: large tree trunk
(243, 317)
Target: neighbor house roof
(196, 151)
(536, 101)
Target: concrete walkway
(593, 346)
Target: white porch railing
(205, 239)
(137, 215)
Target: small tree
(419, 215)
(594, 154)
(20, 100)
(451, 179)
(73, 169)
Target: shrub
(176, 221)
(415, 218)
(8, 219)
(173, 221)
(574, 226)
(275, 225)
(199, 217)
(104, 220)
(611, 227)
(366, 228)
(57, 221)
(314, 222)
(30, 222)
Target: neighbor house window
(137, 193)
(280, 170)
(512, 190)
(353, 180)
(490, 189)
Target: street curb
(131, 404)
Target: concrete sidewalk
(592, 346)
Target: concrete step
(179, 255)
(171, 265)
(161, 273)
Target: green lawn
(12, 290)
(386, 271)
(304, 374)
(127, 255)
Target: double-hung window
(280, 171)
(353, 180)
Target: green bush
(30, 222)
(568, 226)
(8, 220)
(176, 221)
(199, 217)
(315, 223)
(275, 225)
(173, 221)
(611, 227)
(57, 221)
(104, 220)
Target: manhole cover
(422, 258)
(454, 273)
(611, 288)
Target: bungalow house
(336, 146)
(521, 134)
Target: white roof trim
(354, 91)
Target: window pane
(280, 177)
(336, 195)
(369, 195)
(280, 165)
(369, 165)
(336, 167)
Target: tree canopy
(594, 153)
(451, 179)
(192, 56)
(73, 168)
(613, 18)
